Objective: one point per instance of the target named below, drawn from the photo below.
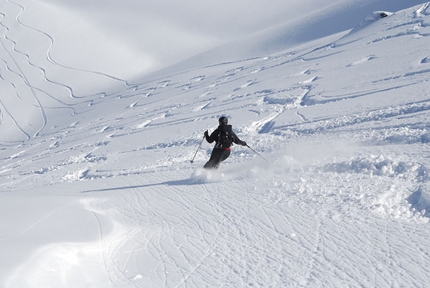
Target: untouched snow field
(96, 138)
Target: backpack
(225, 136)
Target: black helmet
(223, 120)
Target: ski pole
(192, 160)
(256, 153)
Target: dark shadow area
(184, 182)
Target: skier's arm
(237, 140)
(212, 137)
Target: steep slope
(74, 56)
(318, 20)
(111, 198)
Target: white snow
(104, 103)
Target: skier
(224, 137)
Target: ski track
(232, 234)
(40, 90)
(174, 230)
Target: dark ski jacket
(215, 137)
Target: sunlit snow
(103, 105)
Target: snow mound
(376, 16)
(379, 165)
(420, 201)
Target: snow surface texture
(97, 188)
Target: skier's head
(223, 120)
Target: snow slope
(97, 188)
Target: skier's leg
(218, 155)
(209, 165)
(214, 161)
(225, 154)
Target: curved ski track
(356, 225)
(34, 90)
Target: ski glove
(206, 133)
(244, 143)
